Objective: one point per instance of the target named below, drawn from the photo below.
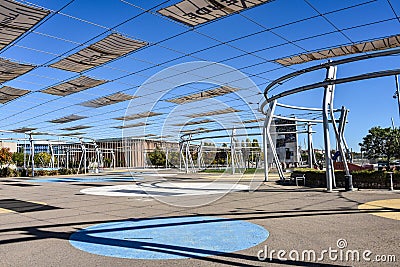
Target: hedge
(8, 172)
(361, 179)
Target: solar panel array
(67, 65)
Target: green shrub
(66, 171)
(361, 179)
(8, 172)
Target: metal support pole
(267, 125)
(67, 160)
(97, 150)
(330, 75)
(343, 152)
(52, 155)
(180, 154)
(187, 157)
(24, 151)
(342, 124)
(166, 157)
(32, 154)
(233, 150)
(199, 153)
(310, 151)
(398, 92)
(58, 153)
(85, 160)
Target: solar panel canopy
(203, 95)
(75, 128)
(194, 122)
(146, 114)
(195, 12)
(130, 125)
(8, 94)
(253, 120)
(10, 70)
(73, 134)
(201, 129)
(59, 58)
(380, 44)
(16, 19)
(214, 112)
(107, 100)
(24, 130)
(76, 85)
(68, 118)
(103, 51)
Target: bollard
(348, 182)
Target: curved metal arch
(302, 108)
(326, 65)
(365, 76)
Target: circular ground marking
(169, 238)
(85, 179)
(388, 208)
(160, 189)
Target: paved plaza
(56, 223)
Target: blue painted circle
(85, 179)
(169, 238)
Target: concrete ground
(37, 219)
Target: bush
(9, 172)
(361, 179)
(66, 171)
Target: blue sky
(248, 41)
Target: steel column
(328, 94)
(267, 125)
(32, 154)
(398, 92)
(233, 150)
(310, 150)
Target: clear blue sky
(248, 41)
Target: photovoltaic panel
(203, 95)
(138, 116)
(379, 44)
(8, 93)
(214, 112)
(159, 137)
(107, 100)
(253, 121)
(16, 19)
(75, 128)
(72, 134)
(10, 70)
(24, 130)
(201, 129)
(76, 85)
(131, 125)
(193, 122)
(107, 49)
(195, 12)
(68, 118)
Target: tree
(42, 158)
(18, 158)
(381, 142)
(5, 155)
(157, 157)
